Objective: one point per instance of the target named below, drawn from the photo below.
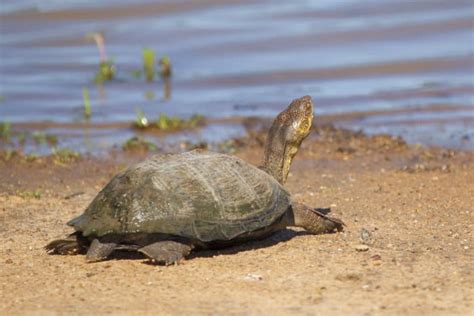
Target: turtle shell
(198, 195)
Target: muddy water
(400, 67)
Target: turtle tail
(71, 245)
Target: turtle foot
(166, 252)
(67, 246)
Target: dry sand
(416, 202)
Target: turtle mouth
(306, 113)
(306, 123)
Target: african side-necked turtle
(168, 205)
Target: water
(400, 67)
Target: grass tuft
(64, 155)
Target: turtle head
(284, 139)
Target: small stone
(9, 261)
(252, 277)
(361, 248)
(366, 237)
(376, 257)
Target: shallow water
(400, 67)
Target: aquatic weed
(5, 130)
(165, 122)
(141, 121)
(138, 143)
(137, 74)
(43, 138)
(165, 66)
(87, 103)
(21, 137)
(149, 64)
(106, 70)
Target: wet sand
(417, 203)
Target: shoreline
(43, 138)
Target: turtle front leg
(313, 221)
(99, 250)
(166, 252)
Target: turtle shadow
(276, 238)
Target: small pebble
(361, 248)
(376, 257)
(366, 237)
(253, 277)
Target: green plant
(149, 64)
(9, 154)
(167, 123)
(165, 67)
(137, 74)
(21, 137)
(39, 137)
(136, 143)
(196, 120)
(87, 103)
(64, 155)
(37, 194)
(141, 121)
(5, 130)
(106, 72)
(31, 157)
(42, 138)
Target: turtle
(169, 205)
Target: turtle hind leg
(166, 252)
(99, 250)
(314, 221)
(71, 245)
